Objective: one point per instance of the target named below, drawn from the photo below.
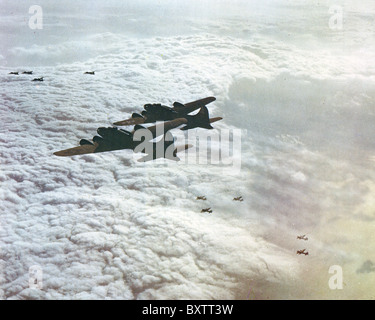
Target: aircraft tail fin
(201, 120)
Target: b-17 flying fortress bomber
(208, 210)
(201, 198)
(158, 112)
(299, 252)
(303, 237)
(112, 138)
(38, 79)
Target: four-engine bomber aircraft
(302, 252)
(158, 112)
(110, 139)
(302, 237)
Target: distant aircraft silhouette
(206, 210)
(38, 79)
(238, 198)
(14, 72)
(302, 237)
(27, 72)
(90, 72)
(201, 198)
(303, 252)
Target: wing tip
(58, 153)
(120, 123)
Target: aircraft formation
(16, 73)
(304, 252)
(209, 210)
(113, 138)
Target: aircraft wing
(192, 106)
(88, 148)
(211, 120)
(161, 128)
(129, 122)
(84, 149)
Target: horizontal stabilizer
(212, 120)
